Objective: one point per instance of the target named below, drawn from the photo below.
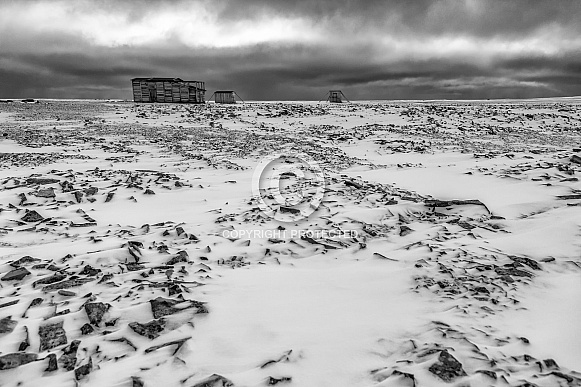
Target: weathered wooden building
(168, 90)
(224, 96)
(336, 96)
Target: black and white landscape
(144, 244)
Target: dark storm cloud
(370, 49)
(476, 17)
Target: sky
(293, 49)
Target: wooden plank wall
(168, 91)
(136, 86)
(224, 98)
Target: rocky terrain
(446, 249)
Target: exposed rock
(26, 342)
(272, 381)
(488, 373)
(7, 325)
(447, 367)
(164, 306)
(174, 289)
(214, 380)
(134, 248)
(36, 302)
(69, 357)
(550, 363)
(151, 330)
(87, 329)
(67, 186)
(78, 196)
(90, 271)
(66, 293)
(126, 341)
(289, 210)
(23, 198)
(67, 284)
(136, 381)
(24, 261)
(50, 279)
(181, 257)
(9, 303)
(568, 378)
(450, 203)
(575, 159)
(16, 274)
(105, 278)
(148, 192)
(51, 335)
(111, 323)
(133, 266)
(52, 363)
(465, 225)
(95, 311)
(353, 183)
(179, 344)
(512, 271)
(526, 261)
(405, 230)
(45, 193)
(84, 370)
(405, 375)
(13, 360)
(91, 191)
(32, 216)
(41, 180)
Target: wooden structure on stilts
(336, 96)
(225, 96)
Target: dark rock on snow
(24, 261)
(214, 380)
(164, 306)
(95, 311)
(150, 330)
(178, 343)
(67, 284)
(49, 280)
(13, 360)
(447, 367)
(7, 325)
(84, 370)
(32, 216)
(52, 363)
(51, 335)
(16, 274)
(69, 357)
(87, 329)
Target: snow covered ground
(446, 249)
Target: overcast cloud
(293, 50)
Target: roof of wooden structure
(162, 79)
(157, 79)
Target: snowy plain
(466, 267)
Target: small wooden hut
(173, 90)
(336, 96)
(224, 96)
